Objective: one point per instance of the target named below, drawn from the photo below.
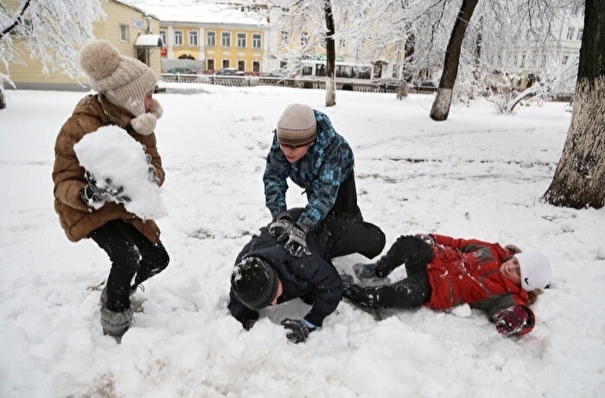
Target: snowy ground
(477, 174)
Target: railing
(252, 81)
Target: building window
(255, 66)
(343, 43)
(211, 39)
(580, 33)
(241, 40)
(304, 39)
(163, 35)
(570, 32)
(193, 37)
(226, 40)
(241, 65)
(210, 64)
(178, 37)
(285, 37)
(124, 33)
(565, 59)
(226, 63)
(256, 40)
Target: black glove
(280, 228)
(249, 323)
(94, 196)
(152, 175)
(297, 240)
(299, 329)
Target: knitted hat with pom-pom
(124, 81)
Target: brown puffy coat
(77, 219)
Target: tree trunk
(579, 179)
(443, 100)
(330, 55)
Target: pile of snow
(475, 175)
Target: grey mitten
(297, 241)
(280, 228)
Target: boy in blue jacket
(307, 149)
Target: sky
(476, 175)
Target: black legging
(411, 292)
(131, 253)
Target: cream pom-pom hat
(124, 81)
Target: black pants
(411, 292)
(132, 255)
(346, 199)
(348, 235)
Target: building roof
(187, 12)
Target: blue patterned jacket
(320, 172)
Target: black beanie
(254, 282)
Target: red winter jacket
(468, 271)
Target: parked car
(181, 71)
(2, 96)
(230, 72)
(387, 83)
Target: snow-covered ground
(477, 175)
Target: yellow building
(129, 28)
(213, 35)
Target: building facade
(133, 31)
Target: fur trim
(513, 248)
(144, 124)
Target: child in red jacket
(443, 272)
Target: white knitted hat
(123, 80)
(535, 270)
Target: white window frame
(124, 33)
(226, 39)
(193, 38)
(257, 40)
(211, 37)
(178, 37)
(241, 39)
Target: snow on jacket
(468, 271)
(77, 219)
(320, 172)
(308, 276)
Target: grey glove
(297, 240)
(280, 228)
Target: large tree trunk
(579, 179)
(443, 100)
(330, 55)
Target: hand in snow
(152, 175)
(298, 329)
(518, 319)
(95, 196)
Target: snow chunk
(110, 152)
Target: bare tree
(579, 179)
(330, 55)
(441, 106)
(51, 31)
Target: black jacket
(308, 276)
